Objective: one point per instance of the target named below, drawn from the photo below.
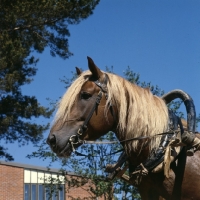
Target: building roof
(33, 167)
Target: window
(33, 192)
(38, 186)
(61, 192)
(54, 196)
(40, 192)
(26, 191)
(47, 192)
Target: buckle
(80, 131)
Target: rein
(170, 132)
(127, 140)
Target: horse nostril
(51, 140)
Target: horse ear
(78, 71)
(96, 72)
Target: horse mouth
(62, 151)
(65, 152)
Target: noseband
(74, 139)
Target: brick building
(27, 182)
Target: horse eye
(85, 95)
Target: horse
(98, 102)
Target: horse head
(83, 112)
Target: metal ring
(79, 132)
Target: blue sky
(160, 40)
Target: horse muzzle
(63, 147)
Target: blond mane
(140, 112)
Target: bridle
(75, 139)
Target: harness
(156, 156)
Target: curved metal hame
(191, 124)
(189, 104)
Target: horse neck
(146, 115)
(137, 155)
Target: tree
(25, 27)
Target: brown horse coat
(139, 113)
(157, 187)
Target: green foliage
(92, 165)
(27, 26)
(131, 76)
(36, 24)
